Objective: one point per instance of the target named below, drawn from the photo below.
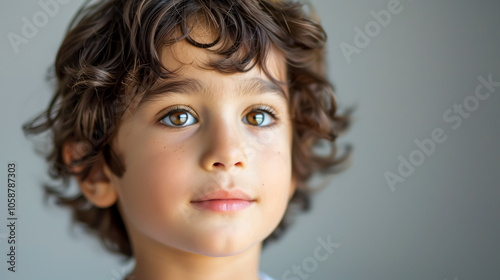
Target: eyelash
(257, 108)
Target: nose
(224, 147)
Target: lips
(223, 205)
(224, 201)
(223, 194)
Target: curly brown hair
(113, 46)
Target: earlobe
(97, 186)
(100, 194)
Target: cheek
(155, 181)
(275, 175)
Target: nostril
(217, 163)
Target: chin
(222, 245)
(224, 251)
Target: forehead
(182, 57)
(203, 31)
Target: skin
(219, 146)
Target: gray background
(441, 223)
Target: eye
(261, 116)
(179, 117)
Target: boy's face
(218, 138)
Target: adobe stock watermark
(455, 116)
(310, 264)
(30, 27)
(373, 28)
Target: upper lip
(224, 194)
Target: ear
(97, 187)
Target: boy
(190, 126)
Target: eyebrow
(191, 86)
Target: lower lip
(223, 205)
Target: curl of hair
(114, 45)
